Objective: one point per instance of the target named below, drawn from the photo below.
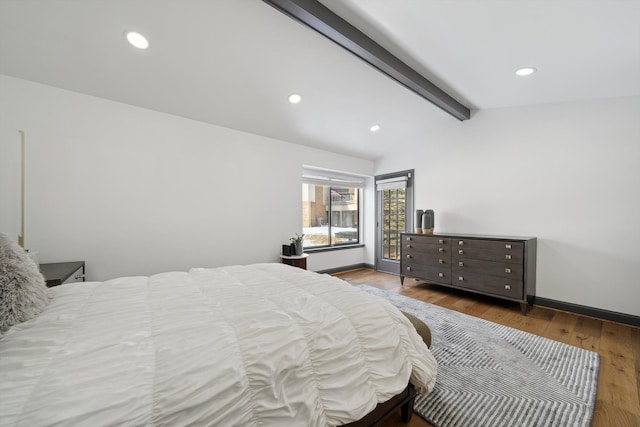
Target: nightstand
(59, 273)
(295, 260)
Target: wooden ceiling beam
(315, 15)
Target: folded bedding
(263, 344)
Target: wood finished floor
(618, 396)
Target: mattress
(264, 344)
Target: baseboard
(346, 268)
(613, 316)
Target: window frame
(330, 181)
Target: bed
(263, 344)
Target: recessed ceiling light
(374, 128)
(525, 71)
(137, 40)
(295, 98)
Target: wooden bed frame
(404, 401)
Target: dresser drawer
(434, 273)
(492, 250)
(491, 268)
(425, 243)
(426, 239)
(425, 252)
(430, 258)
(488, 284)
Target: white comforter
(265, 344)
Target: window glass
(330, 215)
(393, 222)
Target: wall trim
(343, 247)
(346, 268)
(613, 316)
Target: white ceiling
(234, 62)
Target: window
(393, 221)
(330, 209)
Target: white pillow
(23, 292)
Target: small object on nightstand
(295, 260)
(62, 272)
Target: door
(394, 207)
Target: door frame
(389, 266)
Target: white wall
(133, 191)
(568, 174)
(136, 192)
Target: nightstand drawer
(76, 276)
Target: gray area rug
(492, 375)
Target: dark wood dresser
(499, 266)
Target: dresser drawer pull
(460, 252)
(507, 256)
(461, 278)
(440, 249)
(460, 264)
(409, 239)
(507, 270)
(409, 256)
(408, 268)
(441, 261)
(409, 246)
(460, 242)
(440, 274)
(440, 241)
(508, 246)
(507, 287)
